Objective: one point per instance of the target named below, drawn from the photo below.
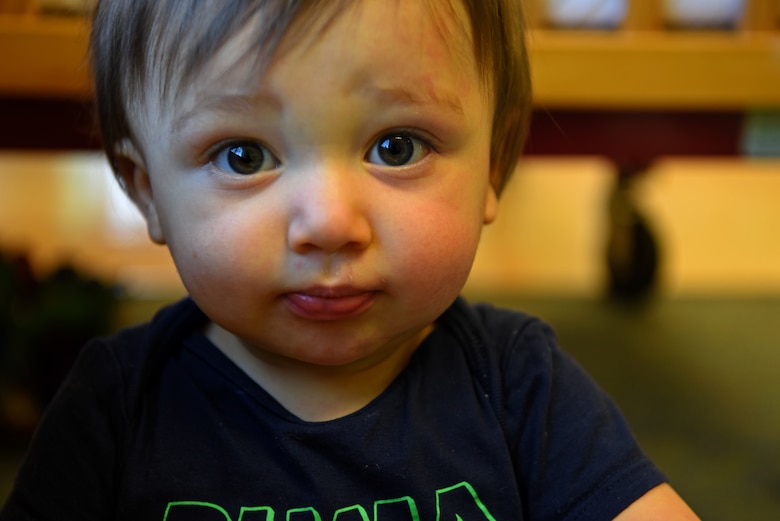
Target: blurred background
(643, 224)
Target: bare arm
(660, 504)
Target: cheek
(452, 250)
(224, 250)
(439, 250)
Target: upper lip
(332, 292)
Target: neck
(316, 393)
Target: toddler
(321, 172)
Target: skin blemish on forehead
(440, 31)
(238, 103)
(426, 94)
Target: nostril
(329, 235)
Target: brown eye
(245, 158)
(397, 149)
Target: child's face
(329, 211)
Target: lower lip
(330, 308)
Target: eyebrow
(225, 103)
(404, 96)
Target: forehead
(201, 54)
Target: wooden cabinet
(646, 64)
(640, 65)
(44, 56)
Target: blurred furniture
(645, 64)
(632, 93)
(646, 89)
(641, 64)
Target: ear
(131, 170)
(491, 205)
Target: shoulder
(125, 360)
(133, 343)
(169, 325)
(515, 359)
(516, 333)
(519, 352)
(74, 457)
(498, 321)
(507, 340)
(573, 449)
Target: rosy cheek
(445, 248)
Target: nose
(329, 212)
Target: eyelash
(268, 161)
(254, 152)
(421, 146)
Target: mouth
(330, 303)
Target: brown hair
(136, 41)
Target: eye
(245, 158)
(397, 149)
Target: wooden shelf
(654, 69)
(641, 65)
(645, 64)
(44, 57)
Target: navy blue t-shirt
(489, 421)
